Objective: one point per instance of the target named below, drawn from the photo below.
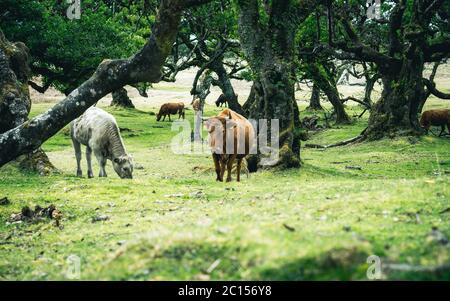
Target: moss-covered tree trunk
(15, 103)
(278, 100)
(396, 113)
(225, 85)
(120, 99)
(409, 44)
(269, 47)
(250, 101)
(314, 101)
(144, 66)
(328, 86)
(370, 84)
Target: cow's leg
(442, 130)
(89, 161)
(101, 162)
(448, 127)
(223, 164)
(164, 118)
(217, 166)
(230, 166)
(169, 117)
(77, 148)
(238, 169)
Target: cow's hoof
(79, 173)
(228, 180)
(90, 175)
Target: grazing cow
(170, 108)
(231, 137)
(98, 130)
(222, 100)
(436, 118)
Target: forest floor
(173, 221)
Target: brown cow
(231, 137)
(436, 118)
(170, 108)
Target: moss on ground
(173, 221)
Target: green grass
(173, 221)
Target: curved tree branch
(356, 100)
(110, 75)
(432, 88)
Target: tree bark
(410, 44)
(320, 78)
(144, 66)
(396, 114)
(247, 107)
(120, 99)
(224, 83)
(15, 103)
(314, 101)
(370, 83)
(428, 91)
(269, 50)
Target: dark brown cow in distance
(231, 137)
(222, 100)
(436, 118)
(171, 108)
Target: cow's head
(216, 127)
(123, 166)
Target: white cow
(98, 130)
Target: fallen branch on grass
(356, 139)
(416, 268)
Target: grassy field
(174, 222)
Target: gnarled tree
(207, 40)
(267, 37)
(144, 66)
(15, 103)
(417, 32)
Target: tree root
(356, 139)
(37, 161)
